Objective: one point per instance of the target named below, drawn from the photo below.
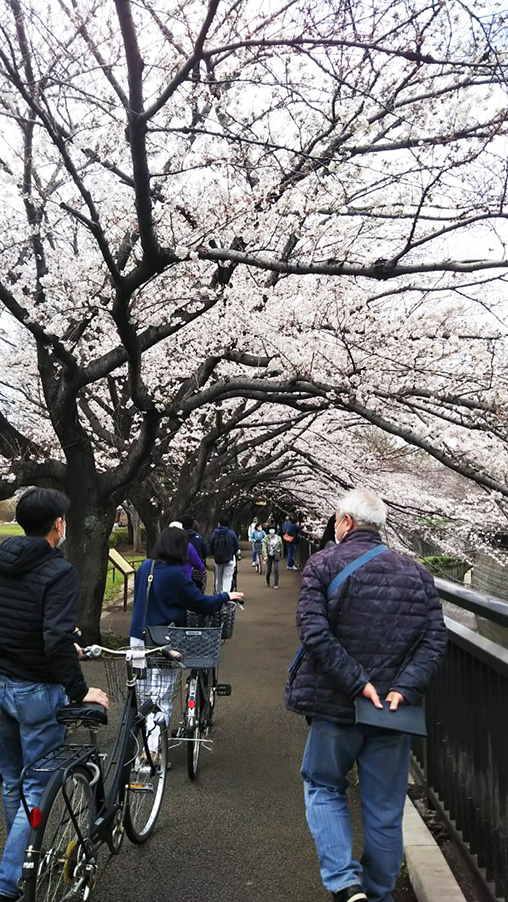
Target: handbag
(288, 538)
(154, 635)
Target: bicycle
(200, 646)
(77, 814)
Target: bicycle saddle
(89, 713)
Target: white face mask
(338, 541)
(272, 532)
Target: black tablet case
(406, 719)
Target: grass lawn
(10, 529)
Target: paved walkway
(239, 832)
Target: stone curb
(430, 875)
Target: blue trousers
(383, 767)
(28, 730)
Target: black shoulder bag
(153, 635)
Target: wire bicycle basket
(224, 618)
(162, 680)
(200, 646)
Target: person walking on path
(272, 551)
(224, 546)
(282, 532)
(291, 539)
(379, 634)
(195, 538)
(250, 530)
(39, 661)
(258, 534)
(328, 533)
(195, 566)
(172, 592)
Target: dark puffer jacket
(383, 624)
(39, 596)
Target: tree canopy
(203, 205)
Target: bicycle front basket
(225, 618)
(116, 678)
(200, 647)
(162, 682)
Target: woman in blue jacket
(172, 593)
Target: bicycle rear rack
(62, 759)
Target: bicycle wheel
(61, 868)
(197, 734)
(146, 783)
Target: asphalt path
(238, 832)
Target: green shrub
(120, 536)
(443, 565)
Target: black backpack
(222, 549)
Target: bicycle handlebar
(237, 603)
(94, 652)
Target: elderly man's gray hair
(364, 507)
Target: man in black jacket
(378, 634)
(39, 662)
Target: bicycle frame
(106, 805)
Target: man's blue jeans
(383, 767)
(28, 729)
(291, 554)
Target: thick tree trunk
(130, 528)
(149, 514)
(135, 528)
(89, 526)
(136, 533)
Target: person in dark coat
(291, 540)
(39, 661)
(225, 541)
(199, 545)
(195, 538)
(380, 635)
(328, 533)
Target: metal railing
(464, 760)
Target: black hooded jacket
(39, 597)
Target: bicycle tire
(198, 732)
(145, 785)
(59, 856)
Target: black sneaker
(350, 894)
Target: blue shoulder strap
(335, 583)
(355, 565)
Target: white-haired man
(378, 633)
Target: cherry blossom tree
(289, 205)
